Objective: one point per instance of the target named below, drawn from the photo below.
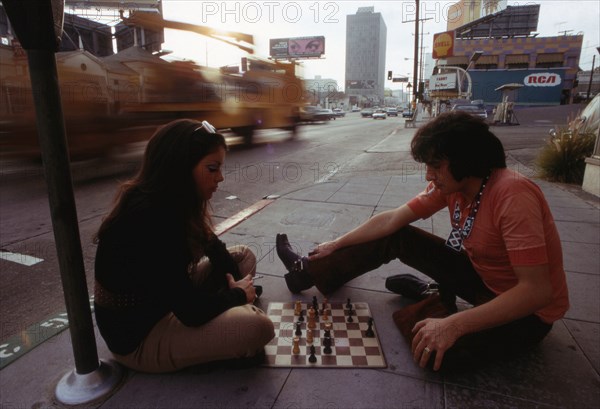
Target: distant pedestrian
(168, 293)
(503, 254)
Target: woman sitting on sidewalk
(168, 293)
(503, 255)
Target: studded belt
(115, 301)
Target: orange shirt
(513, 227)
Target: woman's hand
(246, 284)
(433, 335)
(322, 250)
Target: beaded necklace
(458, 234)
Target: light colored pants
(239, 332)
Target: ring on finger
(426, 350)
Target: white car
(379, 114)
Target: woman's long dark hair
(464, 140)
(166, 176)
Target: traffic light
(389, 75)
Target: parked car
(477, 110)
(367, 113)
(307, 113)
(587, 121)
(322, 114)
(339, 113)
(391, 112)
(379, 114)
(407, 113)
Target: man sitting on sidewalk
(503, 254)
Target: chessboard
(336, 342)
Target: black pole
(55, 157)
(416, 54)
(591, 76)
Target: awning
(516, 59)
(487, 59)
(459, 60)
(550, 57)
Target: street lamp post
(465, 74)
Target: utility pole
(421, 80)
(416, 69)
(416, 53)
(591, 76)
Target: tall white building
(366, 35)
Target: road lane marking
(20, 258)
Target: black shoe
(407, 285)
(288, 257)
(259, 290)
(297, 279)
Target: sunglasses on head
(207, 127)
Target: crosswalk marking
(19, 258)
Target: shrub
(562, 159)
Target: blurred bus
(120, 99)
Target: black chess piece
(350, 312)
(327, 344)
(301, 317)
(312, 358)
(298, 328)
(348, 304)
(369, 332)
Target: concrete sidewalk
(563, 372)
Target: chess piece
(315, 303)
(309, 336)
(301, 317)
(298, 328)
(296, 347)
(312, 358)
(311, 319)
(350, 312)
(369, 332)
(325, 315)
(327, 343)
(324, 306)
(298, 308)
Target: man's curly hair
(462, 139)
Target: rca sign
(542, 79)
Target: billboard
(443, 45)
(541, 86)
(441, 82)
(298, 47)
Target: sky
(281, 19)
